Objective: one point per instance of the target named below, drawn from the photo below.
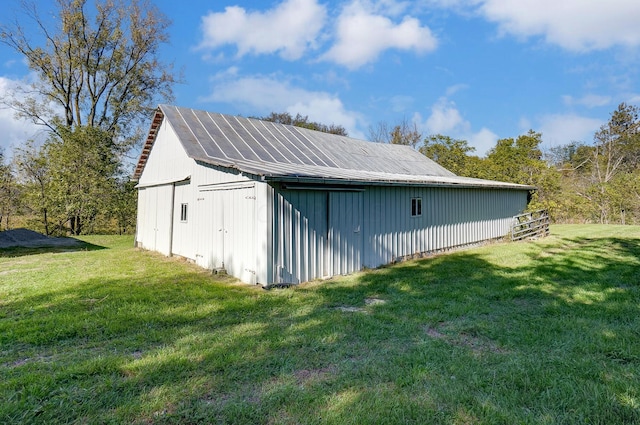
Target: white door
(226, 235)
(154, 218)
(238, 233)
(164, 222)
(209, 211)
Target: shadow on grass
(46, 248)
(451, 339)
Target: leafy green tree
(520, 161)
(570, 158)
(618, 141)
(32, 166)
(122, 207)
(517, 160)
(624, 198)
(600, 181)
(83, 171)
(71, 179)
(452, 154)
(303, 121)
(9, 192)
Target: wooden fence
(534, 224)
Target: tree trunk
(46, 222)
(75, 223)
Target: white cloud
(289, 29)
(560, 129)
(389, 7)
(363, 33)
(446, 119)
(482, 140)
(576, 25)
(15, 132)
(455, 89)
(525, 124)
(634, 99)
(401, 103)
(265, 94)
(589, 100)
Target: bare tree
(403, 133)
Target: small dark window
(416, 207)
(183, 212)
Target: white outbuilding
(277, 204)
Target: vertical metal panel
(300, 235)
(450, 217)
(164, 212)
(318, 233)
(263, 233)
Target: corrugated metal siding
(300, 235)
(321, 233)
(450, 218)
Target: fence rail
(529, 225)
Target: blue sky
(477, 70)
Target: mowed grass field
(540, 332)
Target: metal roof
(281, 152)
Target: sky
(478, 70)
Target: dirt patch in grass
(367, 302)
(477, 344)
(312, 376)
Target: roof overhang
(300, 182)
(313, 175)
(148, 144)
(163, 182)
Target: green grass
(543, 332)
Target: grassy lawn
(542, 332)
